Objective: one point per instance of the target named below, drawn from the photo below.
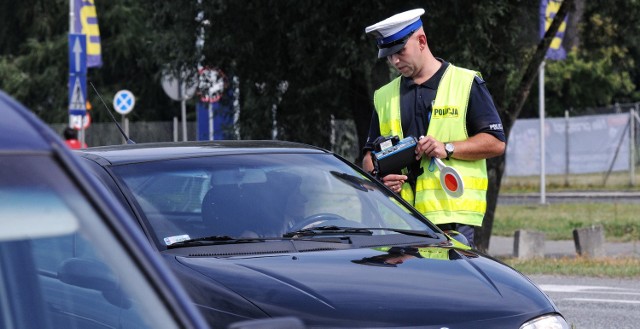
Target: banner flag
(548, 10)
(86, 22)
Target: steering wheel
(321, 219)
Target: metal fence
(598, 142)
(604, 141)
(344, 139)
(107, 133)
(573, 145)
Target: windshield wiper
(212, 240)
(425, 234)
(356, 182)
(331, 230)
(328, 230)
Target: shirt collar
(433, 82)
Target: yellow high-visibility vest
(448, 124)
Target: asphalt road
(572, 196)
(594, 303)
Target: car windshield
(261, 196)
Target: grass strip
(579, 266)
(557, 221)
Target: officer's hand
(394, 182)
(430, 147)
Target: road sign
(78, 54)
(123, 101)
(79, 122)
(77, 74)
(77, 94)
(211, 84)
(179, 89)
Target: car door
(57, 247)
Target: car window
(173, 192)
(254, 195)
(59, 257)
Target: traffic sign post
(78, 117)
(78, 54)
(77, 74)
(211, 85)
(123, 103)
(77, 92)
(80, 122)
(180, 89)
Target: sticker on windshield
(178, 238)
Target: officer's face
(406, 61)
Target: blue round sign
(124, 101)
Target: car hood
(341, 288)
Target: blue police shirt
(415, 106)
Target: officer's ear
(422, 40)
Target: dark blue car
(287, 229)
(71, 256)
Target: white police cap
(392, 33)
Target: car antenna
(129, 141)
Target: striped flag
(86, 22)
(548, 10)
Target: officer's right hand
(430, 147)
(394, 181)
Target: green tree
(607, 84)
(610, 31)
(319, 55)
(30, 51)
(138, 39)
(600, 68)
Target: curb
(569, 197)
(501, 246)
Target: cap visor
(384, 52)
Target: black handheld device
(391, 154)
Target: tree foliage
(566, 81)
(611, 31)
(138, 39)
(319, 48)
(600, 69)
(319, 55)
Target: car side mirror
(94, 275)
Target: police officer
(452, 113)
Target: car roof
(132, 153)
(21, 130)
